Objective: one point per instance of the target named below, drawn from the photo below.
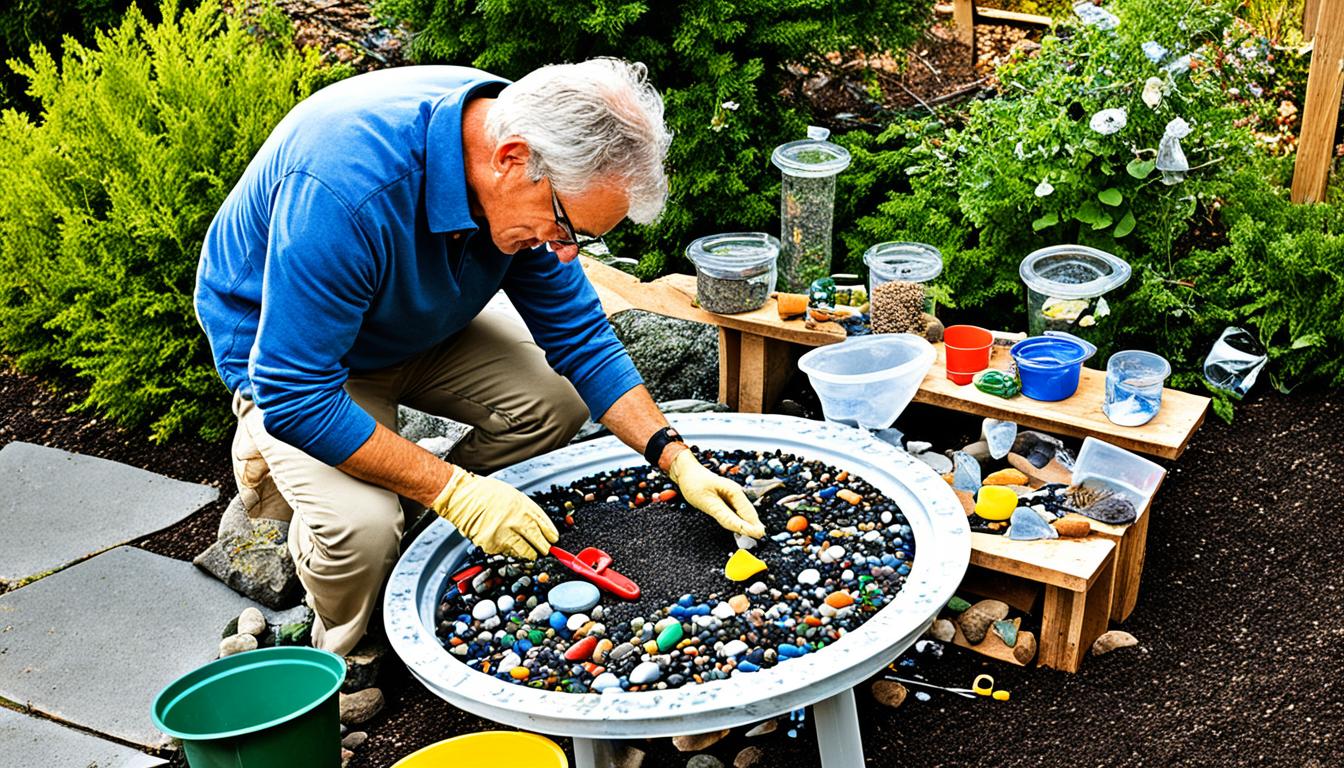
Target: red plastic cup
(967, 349)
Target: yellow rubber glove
(716, 496)
(495, 516)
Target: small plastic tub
(1134, 381)
(966, 348)
(866, 381)
(1067, 287)
(1049, 366)
(1101, 464)
(734, 272)
(911, 262)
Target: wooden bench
(1080, 584)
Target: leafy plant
(720, 67)
(108, 195)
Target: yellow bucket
(485, 750)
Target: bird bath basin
(824, 678)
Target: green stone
(998, 383)
(507, 641)
(669, 637)
(1008, 631)
(957, 605)
(536, 636)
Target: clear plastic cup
(807, 206)
(911, 262)
(1134, 381)
(1066, 290)
(1103, 465)
(867, 381)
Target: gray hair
(588, 122)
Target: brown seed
(898, 307)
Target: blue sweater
(348, 245)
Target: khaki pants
(344, 533)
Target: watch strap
(653, 450)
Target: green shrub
(25, 23)
(108, 196)
(720, 66)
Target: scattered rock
(967, 500)
(979, 451)
(698, 741)
(1112, 510)
(943, 630)
(361, 706)
(761, 729)
(1039, 449)
(353, 739)
(629, 757)
(251, 622)
(749, 757)
(1008, 477)
(1025, 650)
(999, 436)
(966, 475)
(889, 693)
(975, 621)
(677, 358)
(346, 757)
(255, 564)
(362, 665)
(1112, 640)
(1027, 525)
(704, 761)
(1072, 527)
(1052, 472)
(940, 463)
(1007, 630)
(236, 644)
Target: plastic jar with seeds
(734, 272)
(807, 206)
(898, 278)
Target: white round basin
(942, 551)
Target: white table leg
(838, 738)
(593, 753)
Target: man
(346, 273)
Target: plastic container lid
(1073, 271)
(734, 254)
(912, 262)
(813, 157)
(1051, 351)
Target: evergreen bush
(108, 194)
(721, 67)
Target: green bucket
(268, 708)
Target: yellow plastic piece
(1001, 695)
(994, 502)
(743, 565)
(486, 749)
(983, 685)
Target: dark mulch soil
(1238, 617)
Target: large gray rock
(677, 358)
(435, 434)
(93, 644)
(57, 508)
(26, 742)
(251, 557)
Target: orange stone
(1073, 527)
(796, 523)
(812, 621)
(840, 599)
(850, 496)
(1006, 477)
(667, 495)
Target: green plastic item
(1000, 383)
(258, 709)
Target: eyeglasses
(571, 238)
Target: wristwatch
(654, 449)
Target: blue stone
(966, 475)
(686, 601)
(573, 597)
(791, 651)
(1026, 525)
(677, 612)
(747, 666)
(522, 646)
(904, 570)
(889, 559)
(827, 493)
(558, 620)
(699, 610)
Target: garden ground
(1238, 617)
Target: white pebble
(647, 672)
(236, 644)
(576, 621)
(490, 623)
(483, 610)
(723, 611)
(886, 517)
(540, 614)
(251, 622)
(510, 661)
(848, 575)
(757, 587)
(872, 536)
(732, 648)
(505, 604)
(665, 622)
(745, 542)
(809, 576)
(604, 681)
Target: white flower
(1152, 92)
(1044, 188)
(731, 106)
(1108, 121)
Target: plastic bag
(1170, 157)
(1235, 361)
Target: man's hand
(718, 497)
(495, 516)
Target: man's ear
(511, 155)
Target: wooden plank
(1071, 621)
(1018, 593)
(963, 25)
(674, 296)
(1129, 569)
(1316, 142)
(992, 646)
(730, 366)
(764, 370)
(1310, 9)
(1013, 17)
(1079, 416)
(1072, 564)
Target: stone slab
(27, 741)
(57, 507)
(93, 644)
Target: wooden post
(1315, 145)
(1310, 8)
(963, 23)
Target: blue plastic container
(1050, 365)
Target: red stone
(582, 650)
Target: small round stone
(573, 597)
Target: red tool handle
(603, 577)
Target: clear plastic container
(807, 206)
(1102, 465)
(911, 262)
(735, 271)
(1066, 290)
(866, 381)
(1134, 381)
